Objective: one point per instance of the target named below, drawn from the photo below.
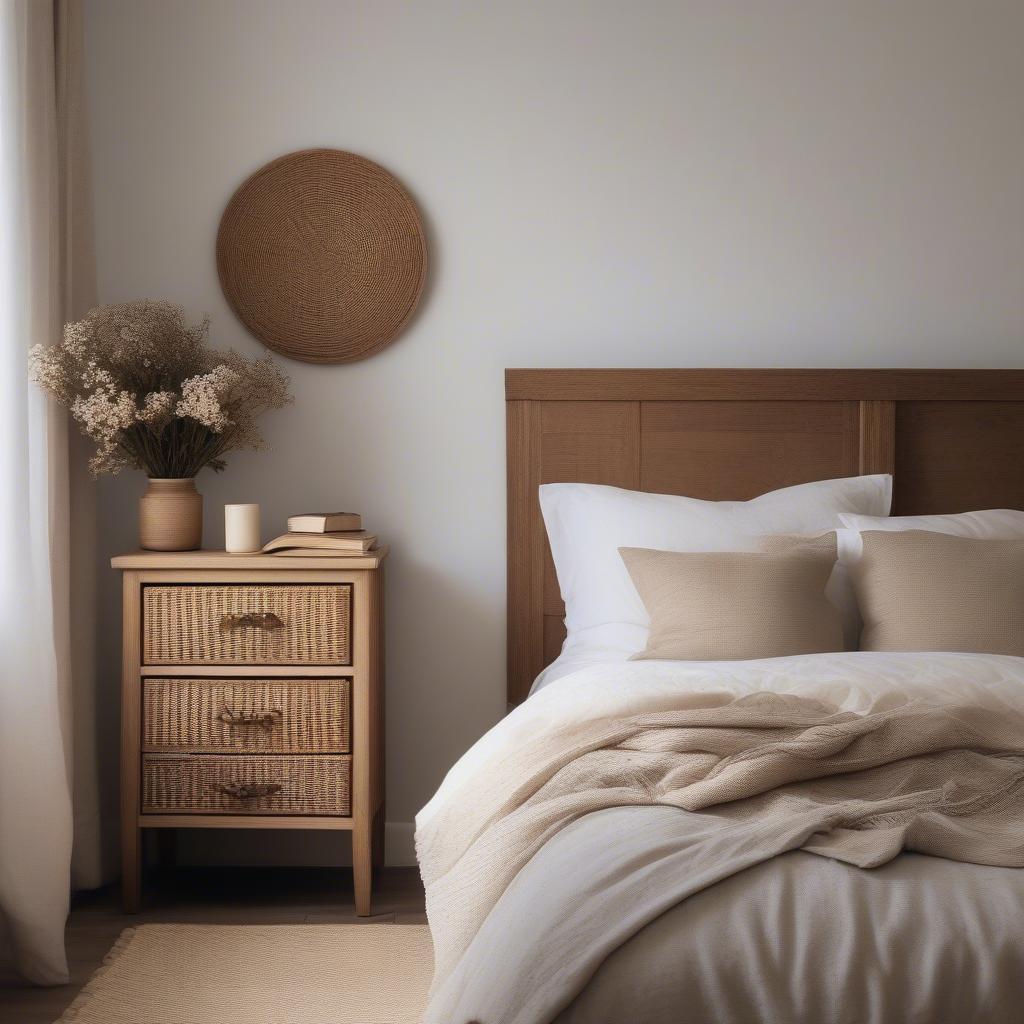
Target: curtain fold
(75, 575)
(41, 246)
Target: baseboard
(399, 845)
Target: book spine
(346, 526)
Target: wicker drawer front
(240, 784)
(247, 625)
(273, 716)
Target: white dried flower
(157, 408)
(104, 413)
(202, 397)
(49, 371)
(144, 386)
(75, 339)
(108, 459)
(74, 347)
(94, 376)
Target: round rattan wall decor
(321, 254)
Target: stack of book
(320, 534)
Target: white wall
(759, 183)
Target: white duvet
(796, 939)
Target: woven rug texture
(260, 974)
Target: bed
(635, 908)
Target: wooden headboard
(954, 440)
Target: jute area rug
(260, 974)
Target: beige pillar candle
(242, 528)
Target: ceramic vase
(171, 515)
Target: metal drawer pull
(250, 790)
(257, 620)
(264, 719)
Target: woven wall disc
(321, 254)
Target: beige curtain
(47, 751)
(77, 282)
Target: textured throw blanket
(768, 772)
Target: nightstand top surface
(257, 560)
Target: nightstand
(252, 697)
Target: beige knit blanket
(781, 771)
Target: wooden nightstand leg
(362, 869)
(131, 766)
(131, 867)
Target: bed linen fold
(733, 777)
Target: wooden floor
(214, 896)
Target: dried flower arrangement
(145, 388)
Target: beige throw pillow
(732, 605)
(924, 591)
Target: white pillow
(588, 523)
(990, 524)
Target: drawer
(272, 716)
(206, 624)
(246, 784)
